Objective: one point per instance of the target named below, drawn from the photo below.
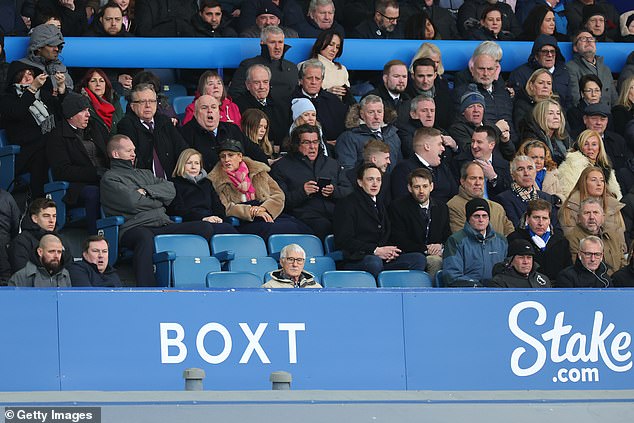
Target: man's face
(126, 151)
(97, 254)
(112, 20)
(51, 256)
(591, 255)
(293, 264)
(259, 84)
(371, 182)
(597, 123)
(483, 71)
(433, 151)
(46, 218)
(311, 80)
(143, 104)
(212, 15)
(396, 79)
(424, 77)
(596, 25)
(275, 44)
(372, 115)
(80, 119)
(474, 113)
(49, 53)
(266, 19)
(522, 264)
(586, 45)
(309, 145)
(524, 174)
(207, 112)
(591, 218)
(420, 188)
(324, 16)
(387, 21)
(481, 147)
(381, 160)
(479, 221)
(546, 56)
(473, 183)
(538, 221)
(425, 112)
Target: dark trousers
(284, 224)
(375, 265)
(89, 199)
(141, 241)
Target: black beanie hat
(477, 204)
(74, 103)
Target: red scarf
(104, 109)
(241, 181)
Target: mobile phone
(322, 182)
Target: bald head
(207, 112)
(50, 252)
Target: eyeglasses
(298, 260)
(144, 102)
(548, 52)
(587, 39)
(313, 142)
(395, 19)
(592, 90)
(588, 254)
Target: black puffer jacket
(23, 247)
(577, 276)
(505, 276)
(83, 273)
(164, 18)
(551, 260)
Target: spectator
(627, 27)
(420, 223)
(9, 228)
(472, 186)
(429, 51)
(304, 112)
(552, 251)
(519, 270)
(128, 14)
(94, 270)
(471, 252)
(163, 105)
(255, 125)
(490, 26)
(210, 21)
(547, 123)
(422, 114)
(393, 91)
(108, 23)
(312, 183)
(590, 87)
(594, 20)
(420, 27)
(576, 16)
(523, 9)
(291, 13)
(471, 12)
(624, 278)
(378, 153)
(426, 81)
(153, 134)
(267, 14)
(362, 229)
(623, 111)
(590, 221)
(384, 24)
(45, 268)
(72, 14)
(292, 273)
(547, 174)
(539, 87)
(105, 106)
(589, 270)
(439, 17)
(165, 18)
(210, 83)
(542, 20)
(321, 17)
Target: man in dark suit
(420, 223)
(362, 229)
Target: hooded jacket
(505, 276)
(41, 36)
(280, 280)
(577, 276)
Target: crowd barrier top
(196, 53)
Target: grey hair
(270, 30)
(370, 98)
(314, 3)
(518, 159)
(292, 248)
(465, 169)
(414, 104)
(254, 67)
(591, 238)
(488, 48)
(312, 63)
(590, 200)
(140, 88)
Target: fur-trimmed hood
(353, 117)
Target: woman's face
(192, 166)
(435, 57)
(630, 93)
(429, 30)
(539, 157)
(214, 87)
(27, 78)
(97, 84)
(548, 24)
(591, 92)
(123, 4)
(264, 125)
(331, 50)
(493, 21)
(309, 117)
(591, 148)
(230, 160)
(553, 117)
(595, 184)
(543, 85)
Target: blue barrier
(229, 52)
(385, 339)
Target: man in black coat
(164, 18)
(425, 81)
(384, 24)
(94, 269)
(211, 22)
(419, 222)
(393, 90)
(312, 183)
(422, 114)
(321, 17)
(362, 229)
(205, 133)
(158, 143)
(72, 15)
(589, 271)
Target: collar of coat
(219, 176)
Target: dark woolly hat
(267, 7)
(591, 10)
(74, 103)
(472, 96)
(520, 247)
(477, 204)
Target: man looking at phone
(312, 182)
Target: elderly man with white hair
(292, 273)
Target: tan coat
(266, 190)
(571, 168)
(551, 184)
(614, 249)
(457, 216)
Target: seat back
(347, 279)
(331, 251)
(191, 272)
(242, 245)
(182, 244)
(181, 102)
(227, 280)
(310, 243)
(174, 90)
(319, 265)
(404, 279)
(259, 266)
(438, 280)
(8, 154)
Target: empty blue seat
(347, 279)
(310, 243)
(259, 266)
(181, 102)
(404, 279)
(229, 246)
(172, 91)
(183, 260)
(331, 251)
(438, 281)
(8, 154)
(319, 265)
(227, 280)
(56, 190)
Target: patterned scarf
(526, 194)
(38, 110)
(104, 109)
(241, 181)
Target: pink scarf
(241, 181)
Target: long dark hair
(322, 42)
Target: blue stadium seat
(172, 91)
(228, 280)
(56, 190)
(259, 266)
(319, 265)
(438, 281)
(226, 247)
(124, 103)
(181, 102)
(404, 279)
(310, 243)
(182, 260)
(331, 251)
(8, 154)
(347, 279)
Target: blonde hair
(624, 99)
(531, 81)
(426, 50)
(540, 114)
(179, 169)
(602, 158)
(250, 123)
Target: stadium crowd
(519, 180)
